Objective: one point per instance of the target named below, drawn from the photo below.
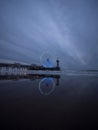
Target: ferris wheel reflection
(47, 86)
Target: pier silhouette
(18, 66)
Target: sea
(66, 100)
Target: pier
(13, 67)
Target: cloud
(66, 29)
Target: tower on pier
(57, 63)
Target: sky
(65, 29)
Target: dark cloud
(66, 29)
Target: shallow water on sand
(70, 102)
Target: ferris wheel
(47, 60)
